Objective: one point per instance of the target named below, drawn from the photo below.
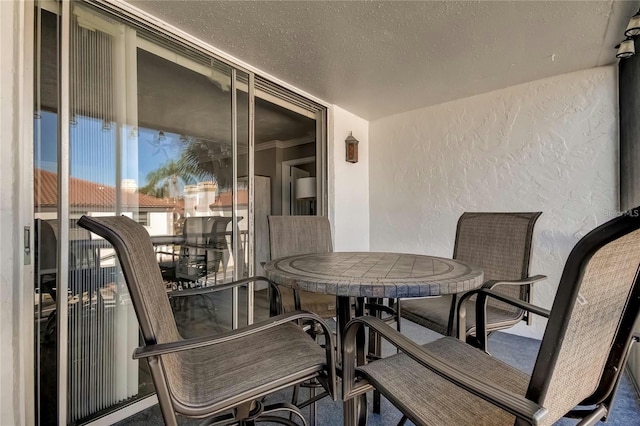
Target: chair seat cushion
(430, 312)
(248, 366)
(323, 305)
(433, 313)
(428, 399)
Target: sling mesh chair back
(46, 257)
(86, 275)
(196, 258)
(212, 375)
(294, 235)
(582, 354)
(500, 245)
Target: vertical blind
(101, 325)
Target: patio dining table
(372, 275)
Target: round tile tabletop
(373, 274)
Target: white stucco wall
(16, 309)
(548, 145)
(348, 182)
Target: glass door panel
(194, 119)
(45, 211)
(102, 329)
(162, 133)
(285, 153)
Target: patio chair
(578, 368)
(85, 270)
(46, 257)
(499, 244)
(223, 377)
(204, 248)
(293, 235)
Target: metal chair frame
(244, 408)
(457, 311)
(526, 408)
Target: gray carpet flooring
(517, 351)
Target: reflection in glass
(45, 208)
(185, 157)
(153, 136)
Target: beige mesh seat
(582, 354)
(223, 376)
(499, 244)
(293, 235)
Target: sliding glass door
(154, 134)
(128, 122)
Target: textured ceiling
(380, 58)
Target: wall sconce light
(633, 29)
(352, 148)
(626, 49)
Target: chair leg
(312, 408)
(248, 414)
(270, 409)
(355, 411)
(403, 420)
(311, 401)
(376, 402)
(276, 419)
(375, 348)
(376, 393)
(294, 398)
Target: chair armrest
(386, 309)
(216, 288)
(199, 342)
(487, 287)
(509, 300)
(513, 403)
(154, 350)
(275, 298)
(481, 312)
(524, 281)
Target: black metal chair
(293, 235)
(223, 377)
(499, 244)
(86, 275)
(46, 257)
(204, 247)
(578, 368)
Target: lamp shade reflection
(306, 188)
